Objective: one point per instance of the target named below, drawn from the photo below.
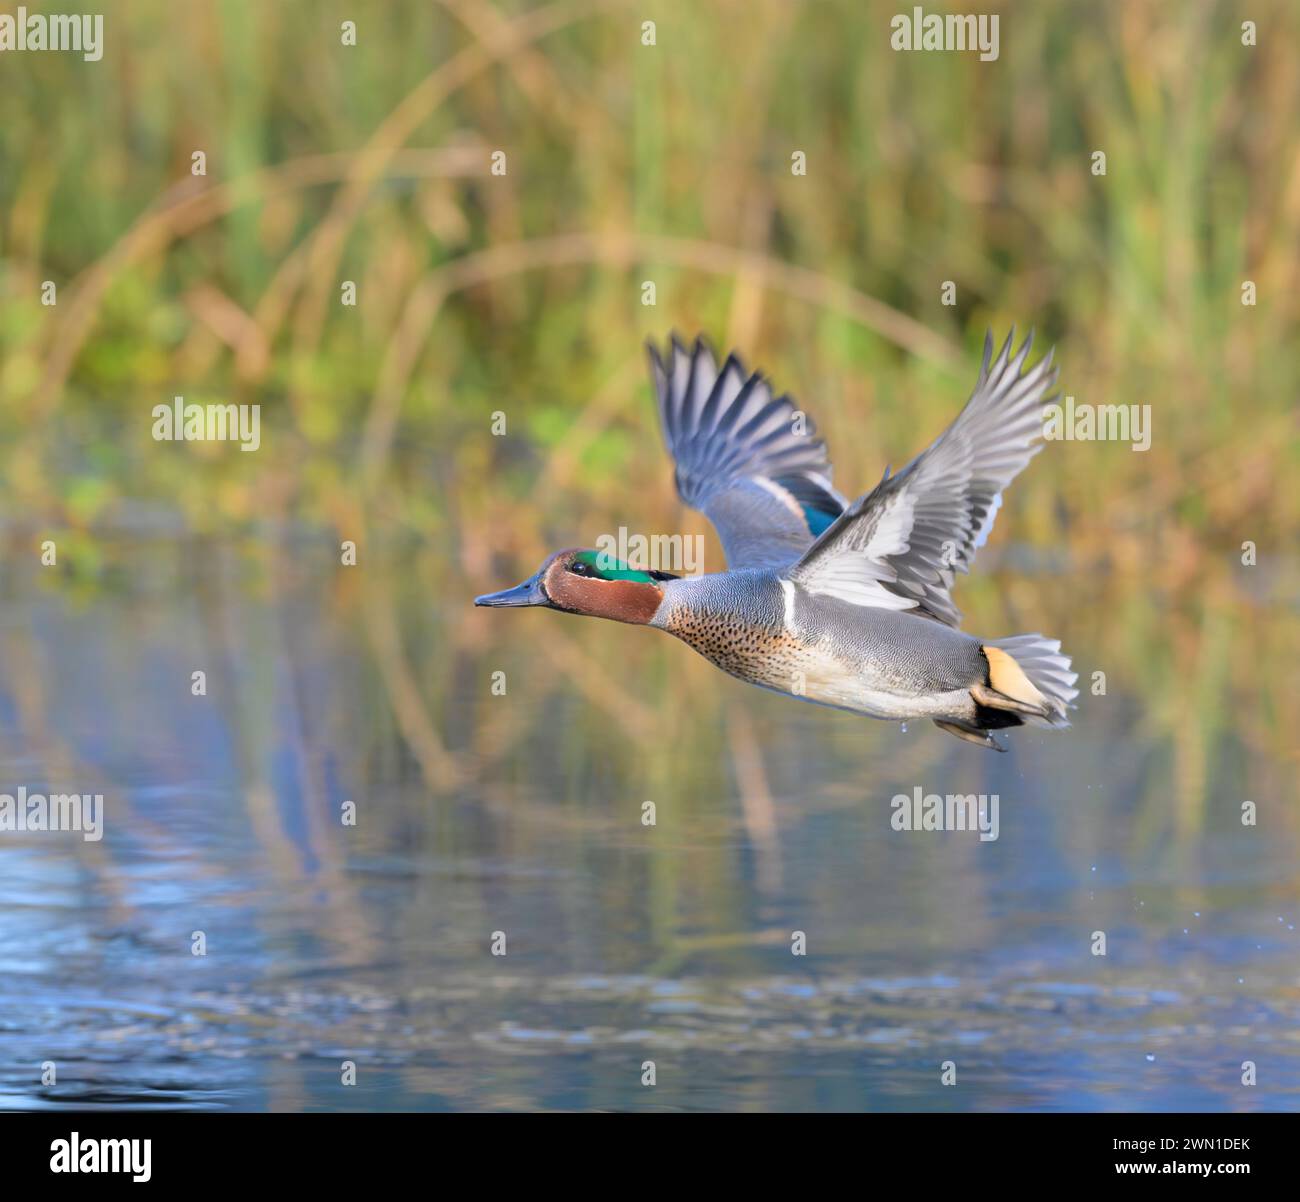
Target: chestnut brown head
(594, 583)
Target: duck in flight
(846, 604)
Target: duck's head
(579, 581)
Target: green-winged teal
(846, 605)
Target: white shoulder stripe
(787, 587)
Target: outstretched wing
(749, 461)
(899, 546)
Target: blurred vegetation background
(671, 163)
(521, 294)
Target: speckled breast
(760, 655)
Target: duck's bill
(528, 593)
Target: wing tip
(677, 347)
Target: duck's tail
(1027, 677)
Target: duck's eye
(581, 569)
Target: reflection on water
(479, 813)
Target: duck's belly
(824, 674)
(869, 688)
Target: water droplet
(1197, 913)
(1151, 1056)
(1241, 980)
(903, 727)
